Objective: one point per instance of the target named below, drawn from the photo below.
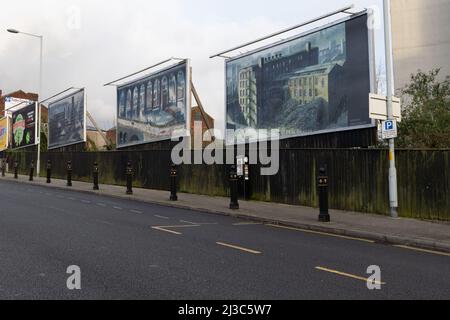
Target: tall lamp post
(41, 39)
(393, 191)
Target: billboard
(24, 124)
(153, 108)
(67, 120)
(312, 83)
(4, 126)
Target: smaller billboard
(24, 124)
(67, 120)
(4, 125)
(154, 108)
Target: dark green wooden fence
(358, 177)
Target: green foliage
(44, 141)
(426, 112)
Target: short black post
(16, 169)
(234, 204)
(3, 167)
(322, 182)
(173, 183)
(49, 171)
(95, 174)
(69, 173)
(31, 170)
(129, 173)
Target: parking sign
(389, 129)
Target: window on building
(172, 90)
(156, 94)
(149, 95)
(129, 114)
(181, 87)
(164, 92)
(135, 103)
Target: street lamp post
(41, 39)
(393, 193)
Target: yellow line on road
(348, 275)
(199, 224)
(238, 248)
(247, 224)
(321, 233)
(423, 250)
(180, 226)
(165, 230)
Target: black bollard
(3, 167)
(234, 203)
(49, 171)
(69, 173)
(31, 170)
(129, 173)
(95, 174)
(16, 169)
(322, 182)
(173, 183)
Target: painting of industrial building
(312, 83)
(67, 121)
(153, 108)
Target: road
(133, 250)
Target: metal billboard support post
(393, 192)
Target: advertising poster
(153, 108)
(313, 83)
(4, 125)
(67, 121)
(24, 126)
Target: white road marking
(199, 224)
(118, 208)
(101, 205)
(161, 217)
(85, 201)
(136, 211)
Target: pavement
(127, 249)
(406, 232)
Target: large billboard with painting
(4, 131)
(67, 120)
(313, 83)
(155, 107)
(24, 124)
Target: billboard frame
(84, 116)
(188, 103)
(372, 76)
(7, 132)
(36, 142)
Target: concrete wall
(421, 37)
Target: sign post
(393, 193)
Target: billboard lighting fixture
(143, 70)
(342, 10)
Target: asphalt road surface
(132, 250)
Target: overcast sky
(89, 43)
